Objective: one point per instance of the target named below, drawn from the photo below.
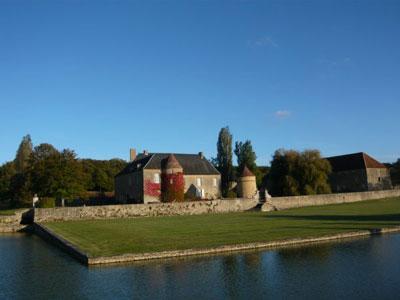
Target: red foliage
(172, 187)
(151, 188)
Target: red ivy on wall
(151, 188)
(172, 187)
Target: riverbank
(10, 220)
(123, 240)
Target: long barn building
(358, 172)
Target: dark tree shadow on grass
(338, 218)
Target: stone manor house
(140, 181)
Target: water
(363, 269)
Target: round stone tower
(172, 166)
(172, 180)
(247, 187)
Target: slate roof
(192, 164)
(354, 161)
(135, 165)
(246, 172)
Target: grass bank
(153, 234)
(7, 212)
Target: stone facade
(12, 223)
(130, 187)
(349, 181)
(210, 184)
(378, 179)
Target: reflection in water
(318, 252)
(366, 268)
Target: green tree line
(48, 172)
(290, 173)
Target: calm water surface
(362, 269)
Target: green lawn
(8, 212)
(138, 235)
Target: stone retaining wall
(58, 241)
(142, 210)
(63, 244)
(125, 258)
(12, 223)
(280, 203)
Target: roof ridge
(169, 153)
(151, 157)
(365, 162)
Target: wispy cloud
(264, 41)
(333, 62)
(283, 114)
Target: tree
(298, 173)
(54, 173)
(23, 153)
(224, 159)
(7, 171)
(245, 156)
(395, 173)
(99, 174)
(20, 192)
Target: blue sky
(100, 77)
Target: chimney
(132, 154)
(145, 152)
(201, 154)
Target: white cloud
(282, 114)
(264, 41)
(334, 62)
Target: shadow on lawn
(355, 218)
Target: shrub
(231, 194)
(47, 202)
(296, 173)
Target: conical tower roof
(172, 163)
(246, 172)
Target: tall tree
(99, 174)
(54, 173)
(395, 173)
(7, 171)
(224, 158)
(245, 156)
(23, 153)
(298, 173)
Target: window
(214, 182)
(198, 181)
(156, 178)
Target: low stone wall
(142, 210)
(12, 223)
(280, 203)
